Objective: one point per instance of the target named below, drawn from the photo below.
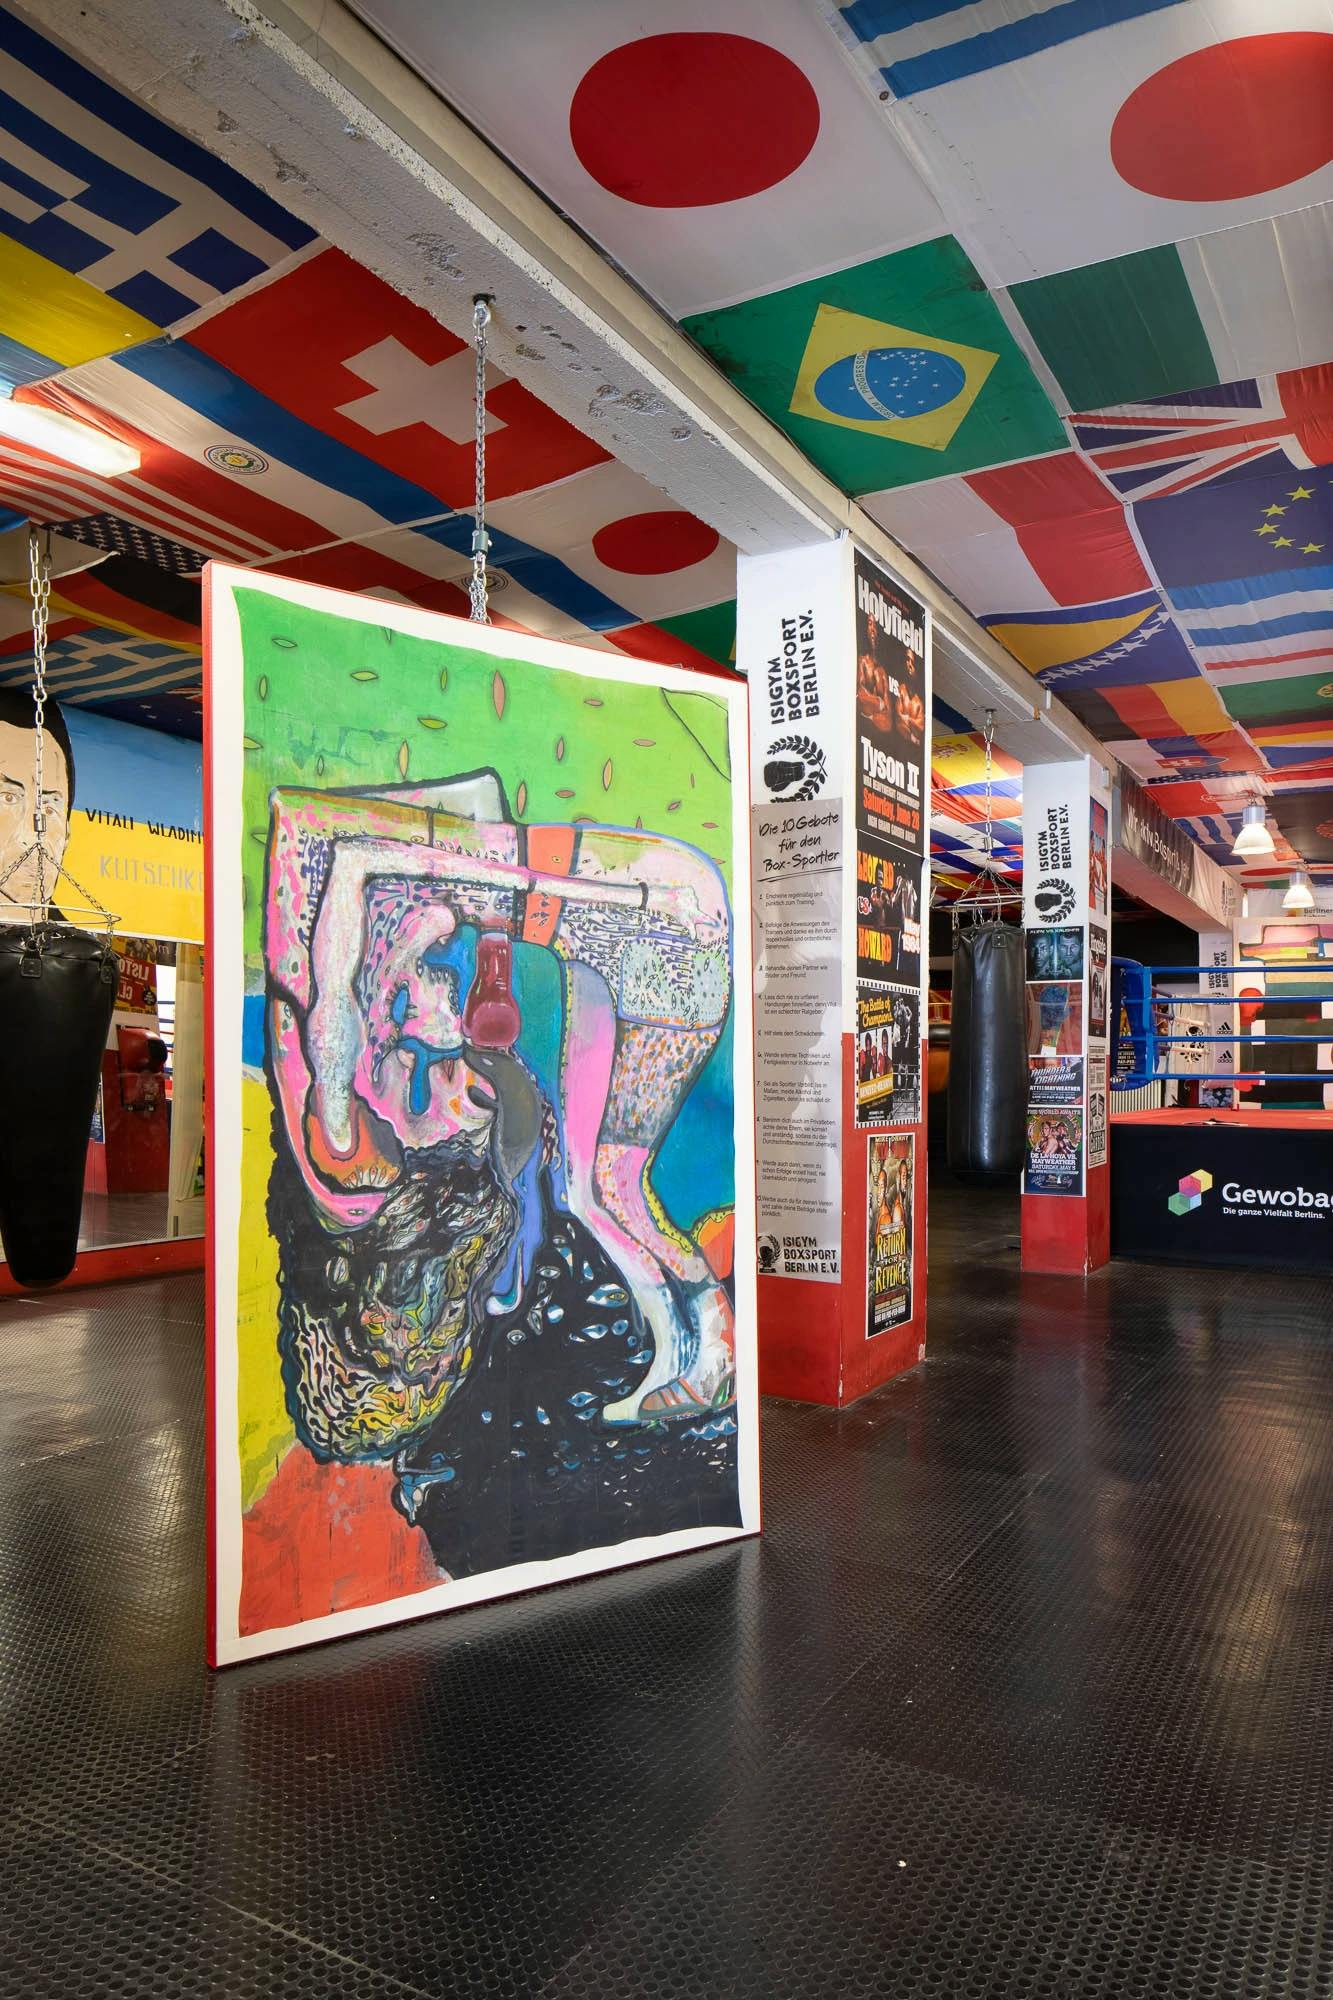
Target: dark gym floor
(1025, 1691)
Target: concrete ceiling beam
(307, 103)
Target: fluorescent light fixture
(66, 438)
(1254, 837)
(1299, 894)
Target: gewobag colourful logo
(1190, 1192)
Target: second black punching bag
(57, 994)
(988, 1064)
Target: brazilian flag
(887, 373)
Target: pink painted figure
(414, 1122)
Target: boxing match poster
(1054, 1152)
(890, 1190)
(888, 1055)
(892, 802)
(1097, 1154)
(481, 1115)
(1097, 979)
(888, 914)
(1055, 1018)
(1055, 954)
(1098, 865)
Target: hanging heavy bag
(988, 1070)
(57, 993)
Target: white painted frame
(225, 968)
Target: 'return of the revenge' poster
(891, 1164)
(481, 1113)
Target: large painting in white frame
(480, 1113)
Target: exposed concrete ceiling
(309, 104)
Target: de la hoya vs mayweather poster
(482, 1180)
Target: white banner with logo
(1066, 918)
(793, 624)
(797, 861)
(793, 642)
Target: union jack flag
(1172, 444)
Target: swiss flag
(340, 349)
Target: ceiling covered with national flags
(290, 411)
(1046, 284)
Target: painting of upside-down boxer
(496, 1046)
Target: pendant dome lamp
(1299, 894)
(1254, 838)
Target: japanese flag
(714, 152)
(1178, 121)
(626, 539)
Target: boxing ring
(1240, 1184)
(1138, 1000)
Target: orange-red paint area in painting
(325, 1538)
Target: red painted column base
(812, 1337)
(1068, 1235)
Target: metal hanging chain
(39, 587)
(48, 866)
(481, 541)
(984, 899)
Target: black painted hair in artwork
(17, 706)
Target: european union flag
(1254, 520)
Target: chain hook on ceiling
(481, 541)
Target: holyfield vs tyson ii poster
(890, 711)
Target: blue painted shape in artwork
(695, 1171)
(424, 1058)
(118, 767)
(886, 384)
(539, 990)
(254, 1040)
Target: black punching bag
(57, 993)
(988, 1063)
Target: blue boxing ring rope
(1135, 1000)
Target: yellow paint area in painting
(390, 1411)
(264, 1430)
(153, 884)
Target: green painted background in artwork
(330, 701)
